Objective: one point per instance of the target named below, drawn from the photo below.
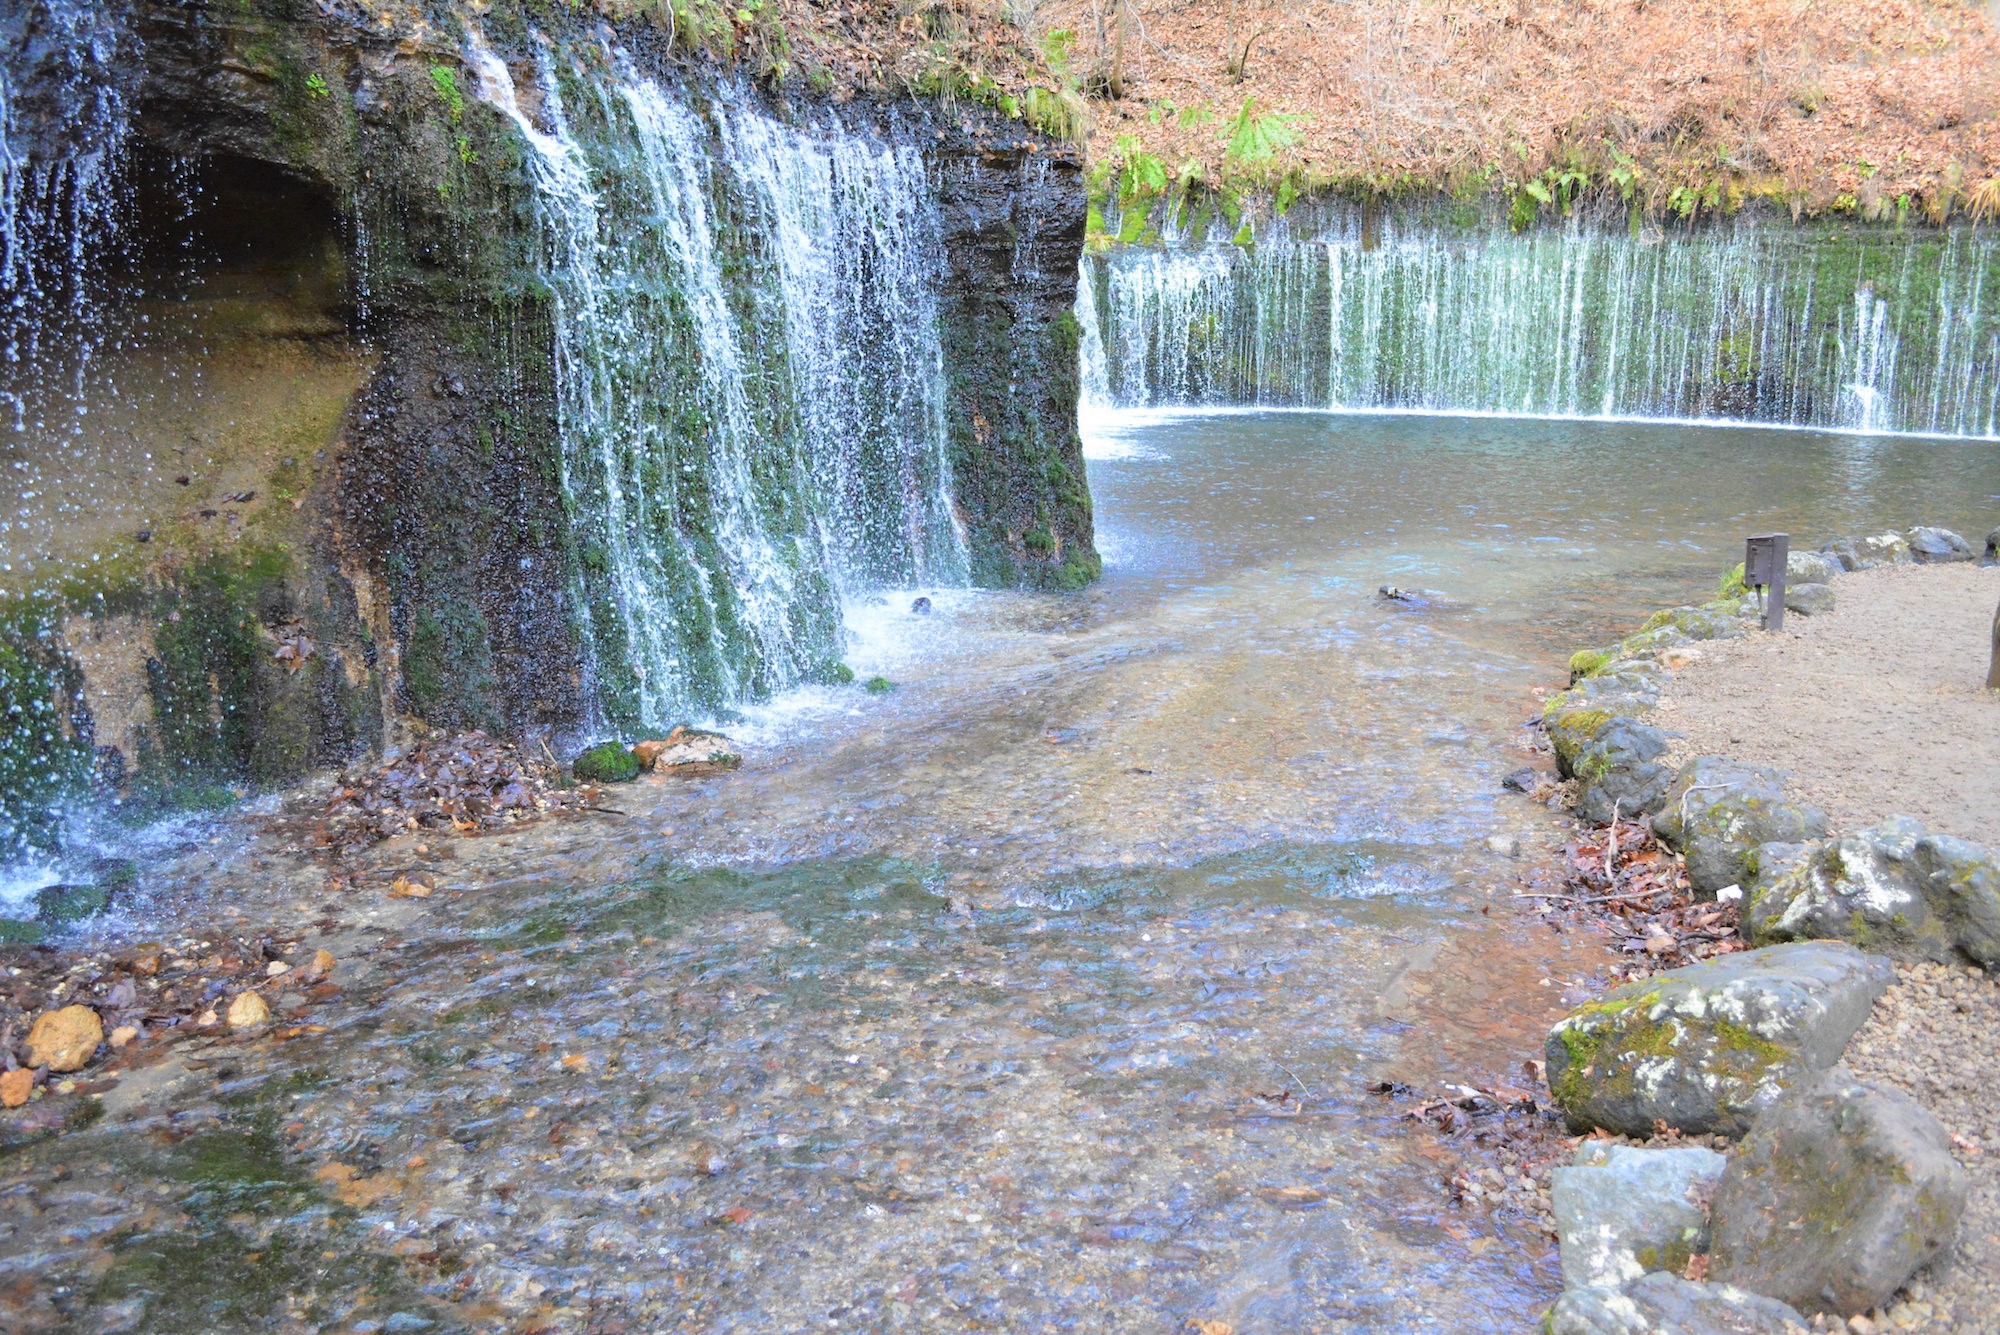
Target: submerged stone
(1705, 1048)
(1622, 1211)
(1840, 1192)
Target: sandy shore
(1876, 709)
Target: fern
(1253, 138)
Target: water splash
(749, 375)
(64, 126)
(1754, 320)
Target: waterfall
(63, 130)
(64, 125)
(749, 377)
(1846, 327)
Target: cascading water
(749, 374)
(63, 136)
(1756, 320)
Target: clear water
(1859, 328)
(964, 1008)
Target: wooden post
(1993, 671)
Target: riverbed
(1044, 992)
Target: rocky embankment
(1834, 1048)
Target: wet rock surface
(64, 1040)
(1707, 1047)
(1839, 1193)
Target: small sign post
(1764, 559)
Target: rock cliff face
(329, 495)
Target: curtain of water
(1852, 327)
(749, 374)
(63, 133)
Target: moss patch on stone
(607, 762)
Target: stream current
(1041, 994)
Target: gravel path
(1877, 709)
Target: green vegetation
(607, 762)
(1586, 663)
(878, 686)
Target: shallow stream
(1042, 993)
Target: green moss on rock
(607, 762)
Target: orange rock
(64, 1040)
(15, 1087)
(649, 751)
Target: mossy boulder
(1707, 1047)
(1840, 1192)
(1622, 1211)
(1624, 689)
(1619, 772)
(1896, 888)
(1719, 811)
(607, 762)
(1661, 1303)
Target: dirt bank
(1876, 709)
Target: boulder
(1650, 643)
(1718, 811)
(687, 750)
(1809, 600)
(1992, 554)
(1934, 546)
(63, 1040)
(1810, 568)
(1896, 888)
(1707, 1047)
(1622, 1211)
(1663, 1304)
(1839, 1193)
(1620, 773)
(1884, 549)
